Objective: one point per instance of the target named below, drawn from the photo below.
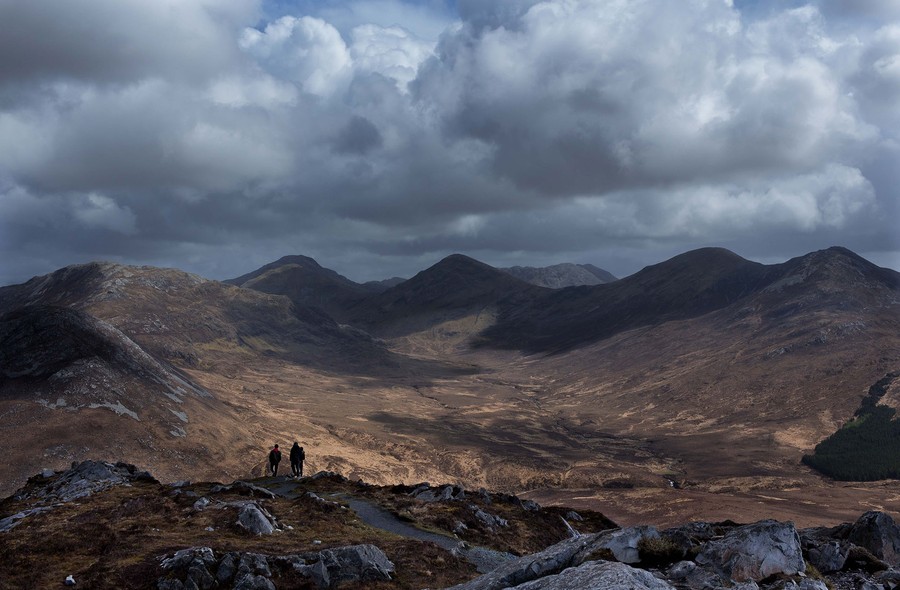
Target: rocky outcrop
(199, 568)
(49, 489)
(877, 532)
(766, 555)
(599, 575)
(755, 552)
(244, 488)
(255, 519)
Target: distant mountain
(455, 286)
(561, 275)
(302, 280)
(384, 285)
(685, 286)
(185, 318)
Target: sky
(378, 136)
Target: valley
(689, 391)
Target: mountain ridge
(708, 371)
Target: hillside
(455, 287)
(197, 322)
(561, 275)
(302, 280)
(103, 525)
(73, 386)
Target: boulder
(829, 556)
(357, 563)
(244, 488)
(598, 575)
(805, 585)
(550, 561)
(253, 573)
(256, 520)
(190, 568)
(687, 574)
(877, 532)
(447, 493)
(90, 477)
(755, 552)
(491, 521)
(623, 543)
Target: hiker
(274, 459)
(297, 457)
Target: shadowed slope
(685, 286)
(454, 287)
(305, 282)
(198, 322)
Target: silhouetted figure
(274, 460)
(297, 458)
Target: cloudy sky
(378, 136)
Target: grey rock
(357, 563)
(828, 557)
(485, 560)
(624, 542)
(200, 577)
(889, 578)
(244, 488)
(187, 557)
(47, 473)
(10, 522)
(180, 484)
(688, 575)
(755, 552)
(253, 519)
(877, 532)
(253, 582)
(459, 528)
(550, 561)
(598, 575)
(254, 563)
(169, 584)
(201, 503)
(572, 515)
(90, 477)
(227, 567)
(489, 520)
(530, 505)
(445, 493)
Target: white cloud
(393, 52)
(384, 125)
(259, 90)
(305, 50)
(97, 211)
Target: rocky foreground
(103, 525)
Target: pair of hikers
(297, 457)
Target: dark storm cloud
(117, 40)
(379, 135)
(358, 137)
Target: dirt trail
(375, 516)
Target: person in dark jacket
(274, 460)
(297, 458)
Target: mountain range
(703, 377)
